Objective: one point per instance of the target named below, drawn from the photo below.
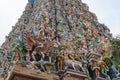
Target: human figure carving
(59, 59)
(96, 68)
(16, 57)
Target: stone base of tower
(22, 73)
(100, 78)
(73, 75)
(117, 78)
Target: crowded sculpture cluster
(55, 35)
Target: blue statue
(31, 1)
(104, 69)
(113, 73)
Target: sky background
(107, 11)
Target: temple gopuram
(57, 40)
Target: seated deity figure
(28, 57)
(47, 62)
(37, 58)
(42, 60)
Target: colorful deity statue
(96, 68)
(16, 56)
(47, 62)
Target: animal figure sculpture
(76, 65)
(71, 62)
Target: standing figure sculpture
(16, 57)
(59, 60)
(96, 69)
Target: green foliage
(115, 47)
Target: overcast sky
(107, 11)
